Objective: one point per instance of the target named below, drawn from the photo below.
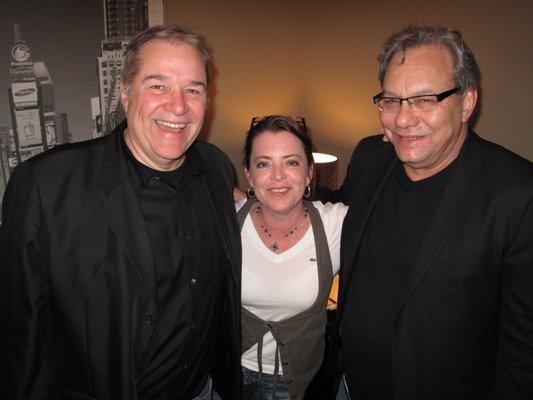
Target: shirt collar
(178, 179)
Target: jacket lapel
(122, 212)
(227, 228)
(461, 188)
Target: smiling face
(165, 103)
(426, 142)
(278, 171)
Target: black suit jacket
(465, 327)
(78, 292)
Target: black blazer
(77, 275)
(465, 329)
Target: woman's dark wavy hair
(278, 123)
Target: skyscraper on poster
(123, 19)
(36, 124)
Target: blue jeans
(207, 392)
(252, 391)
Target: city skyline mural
(60, 64)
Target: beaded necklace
(275, 246)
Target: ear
(310, 174)
(124, 97)
(248, 177)
(469, 100)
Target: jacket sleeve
(514, 373)
(24, 291)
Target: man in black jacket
(436, 279)
(120, 274)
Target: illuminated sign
(20, 53)
(24, 92)
(30, 152)
(12, 162)
(51, 138)
(28, 127)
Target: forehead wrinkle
(419, 71)
(158, 77)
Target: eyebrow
(199, 83)
(155, 76)
(417, 93)
(160, 77)
(284, 157)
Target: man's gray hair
(465, 69)
(170, 33)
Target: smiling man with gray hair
(120, 270)
(436, 282)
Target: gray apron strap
(325, 268)
(243, 212)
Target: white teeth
(282, 190)
(170, 124)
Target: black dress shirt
(189, 264)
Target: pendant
(275, 246)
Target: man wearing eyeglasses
(436, 292)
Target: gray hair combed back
(465, 69)
(170, 33)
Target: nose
(406, 117)
(278, 173)
(176, 103)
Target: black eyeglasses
(422, 103)
(298, 120)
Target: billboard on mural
(21, 55)
(24, 93)
(28, 127)
(28, 153)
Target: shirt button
(193, 281)
(285, 364)
(150, 319)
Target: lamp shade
(326, 170)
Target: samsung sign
(24, 92)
